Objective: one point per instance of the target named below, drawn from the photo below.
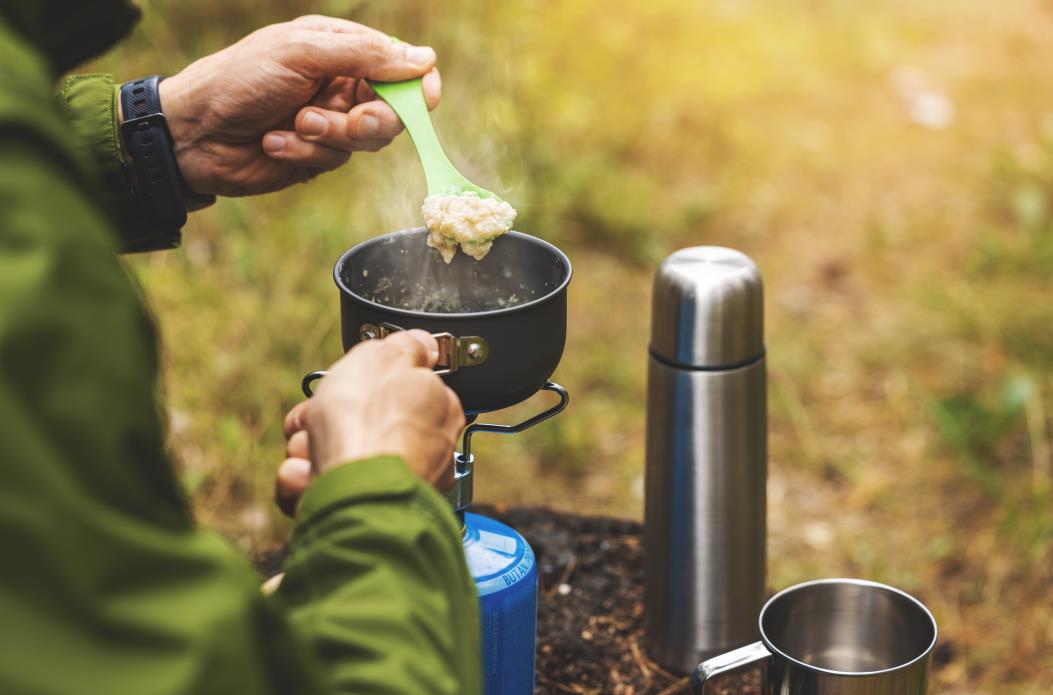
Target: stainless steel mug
(707, 457)
(836, 637)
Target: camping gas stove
(504, 570)
(501, 326)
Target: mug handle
(728, 662)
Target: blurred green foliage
(975, 424)
(888, 164)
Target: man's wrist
(178, 127)
(182, 127)
(157, 181)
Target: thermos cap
(708, 309)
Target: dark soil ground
(590, 631)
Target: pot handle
(728, 662)
(307, 385)
(454, 352)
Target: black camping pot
(501, 322)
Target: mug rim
(346, 256)
(856, 582)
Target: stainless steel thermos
(705, 534)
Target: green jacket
(106, 585)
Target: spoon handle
(407, 100)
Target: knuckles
(300, 42)
(373, 46)
(310, 20)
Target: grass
(909, 271)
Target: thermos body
(705, 500)
(705, 519)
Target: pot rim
(342, 286)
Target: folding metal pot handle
(307, 385)
(454, 352)
(730, 661)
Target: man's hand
(380, 398)
(286, 103)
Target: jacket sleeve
(108, 585)
(376, 578)
(89, 103)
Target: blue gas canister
(502, 565)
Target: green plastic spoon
(407, 99)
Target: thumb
(369, 54)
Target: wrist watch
(159, 185)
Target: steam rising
(419, 280)
(403, 272)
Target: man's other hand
(382, 397)
(286, 103)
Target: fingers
(295, 419)
(452, 427)
(361, 53)
(320, 22)
(289, 147)
(432, 85)
(444, 429)
(364, 127)
(292, 480)
(364, 92)
(412, 348)
(444, 479)
(298, 446)
(455, 420)
(418, 348)
(340, 95)
(338, 90)
(334, 120)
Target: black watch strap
(141, 98)
(159, 185)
